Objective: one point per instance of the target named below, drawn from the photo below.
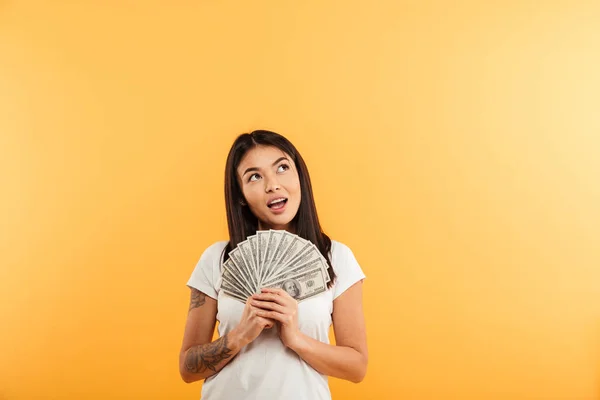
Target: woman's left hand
(278, 305)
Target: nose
(271, 185)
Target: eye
(251, 176)
(284, 166)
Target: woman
(272, 347)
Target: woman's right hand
(251, 325)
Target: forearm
(204, 360)
(331, 360)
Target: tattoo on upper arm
(208, 356)
(197, 299)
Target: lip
(279, 210)
(275, 198)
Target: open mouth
(277, 204)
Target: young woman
(272, 347)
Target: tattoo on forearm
(208, 356)
(197, 299)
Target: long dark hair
(240, 220)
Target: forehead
(260, 157)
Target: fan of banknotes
(274, 259)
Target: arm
(347, 359)
(200, 358)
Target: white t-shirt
(266, 369)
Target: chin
(282, 222)
(279, 222)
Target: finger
(269, 305)
(273, 290)
(279, 292)
(255, 312)
(267, 323)
(271, 297)
(274, 315)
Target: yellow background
(454, 146)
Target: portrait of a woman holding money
(275, 286)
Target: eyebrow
(256, 169)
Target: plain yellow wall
(454, 146)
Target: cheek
(299, 191)
(296, 192)
(293, 184)
(253, 196)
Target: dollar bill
(269, 258)
(255, 253)
(272, 251)
(304, 285)
(311, 263)
(238, 259)
(269, 248)
(284, 244)
(233, 292)
(232, 280)
(237, 274)
(296, 245)
(248, 258)
(292, 257)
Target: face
(271, 187)
(290, 288)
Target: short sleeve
(206, 273)
(346, 268)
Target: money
(303, 285)
(275, 259)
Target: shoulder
(347, 269)
(206, 272)
(215, 249)
(212, 254)
(339, 249)
(341, 255)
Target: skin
(271, 176)
(266, 172)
